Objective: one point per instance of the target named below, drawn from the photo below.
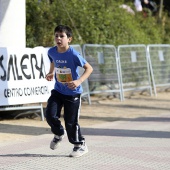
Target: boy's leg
(53, 112)
(71, 117)
(72, 106)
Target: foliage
(95, 22)
(40, 23)
(166, 29)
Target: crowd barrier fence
(116, 70)
(134, 68)
(159, 58)
(105, 77)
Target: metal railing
(159, 58)
(105, 77)
(134, 68)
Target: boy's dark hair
(63, 28)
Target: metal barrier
(105, 76)
(134, 68)
(159, 59)
(115, 71)
(85, 85)
(37, 108)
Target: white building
(12, 23)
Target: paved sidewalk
(138, 144)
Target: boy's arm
(88, 70)
(50, 75)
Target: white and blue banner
(22, 76)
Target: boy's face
(62, 40)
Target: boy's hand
(74, 84)
(49, 76)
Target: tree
(40, 23)
(96, 22)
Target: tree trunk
(161, 9)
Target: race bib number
(63, 74)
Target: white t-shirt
(138, 5)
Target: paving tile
(142, 144)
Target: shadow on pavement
(32, 155)
(27, 130)
(126, 133)
(140, 119)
